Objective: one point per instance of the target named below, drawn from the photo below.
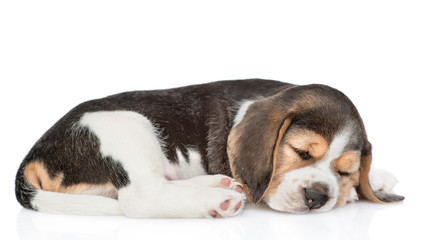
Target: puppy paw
(382, 181)
(352, 195)
(230, 183)
(230, 207)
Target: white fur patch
(186, 168)
(189, 169)
(244, 106)
(337, 146)
(129, 138)
(170, 170)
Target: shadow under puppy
(197, 151)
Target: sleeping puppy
(199, 151)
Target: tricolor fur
(198, 151)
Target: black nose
(315, 199)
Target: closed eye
(304, 155)
(343, 174)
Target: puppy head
(303, 149)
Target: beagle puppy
(199, 151)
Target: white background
(56, 54)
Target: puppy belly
(186, 167)
(170, 171)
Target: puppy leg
(131, 139)
(352, 195)
(170, 200)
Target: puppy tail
(65, 203)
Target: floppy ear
(252, 145)
(364, 188)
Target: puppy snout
(314, 198)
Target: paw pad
(225, 182)
(224, 206)
(238, 189)
(232, 184)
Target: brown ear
(364, 188)
(251, 147)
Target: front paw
(225, 203)
(230, 183)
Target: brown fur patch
(36, 174)
(348, 162)
(364, 188)
(308, 141)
